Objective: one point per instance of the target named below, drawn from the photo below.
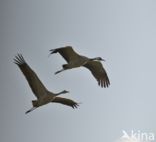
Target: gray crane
(75, 60)
(43, 95)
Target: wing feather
(34, 82)
(98, 72)
(66, 101)
(66, 52)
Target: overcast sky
(123, 32)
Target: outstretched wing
(66, 101)
(66, 52)
(98, 72)
(35, 84)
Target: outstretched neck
(56, 94)
(92, 59)
(62, 92)
(59, 93)
(96, 59)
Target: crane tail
(34, 103)
(52, 51)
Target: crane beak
(103, 60)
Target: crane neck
(92, 59)
(62, 92)
(97, 59)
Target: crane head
(99, 59)
(65, 91)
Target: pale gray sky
(123, 32)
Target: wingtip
(76, 105)
(103, 84)
(52, 51)
(18, 59)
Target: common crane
(43, 95)
(75, 60)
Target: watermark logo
(137, 136)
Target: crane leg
(59, 71)
(30, 110)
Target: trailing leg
(59, 71)
(33, 108)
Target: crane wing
(66, 52)
(34, 82)
(98, 72)
(66, 101)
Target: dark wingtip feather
(76, 105)
(53, 51)
(103, 83)
(19, 60)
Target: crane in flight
(75, 60)
(43, 95)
